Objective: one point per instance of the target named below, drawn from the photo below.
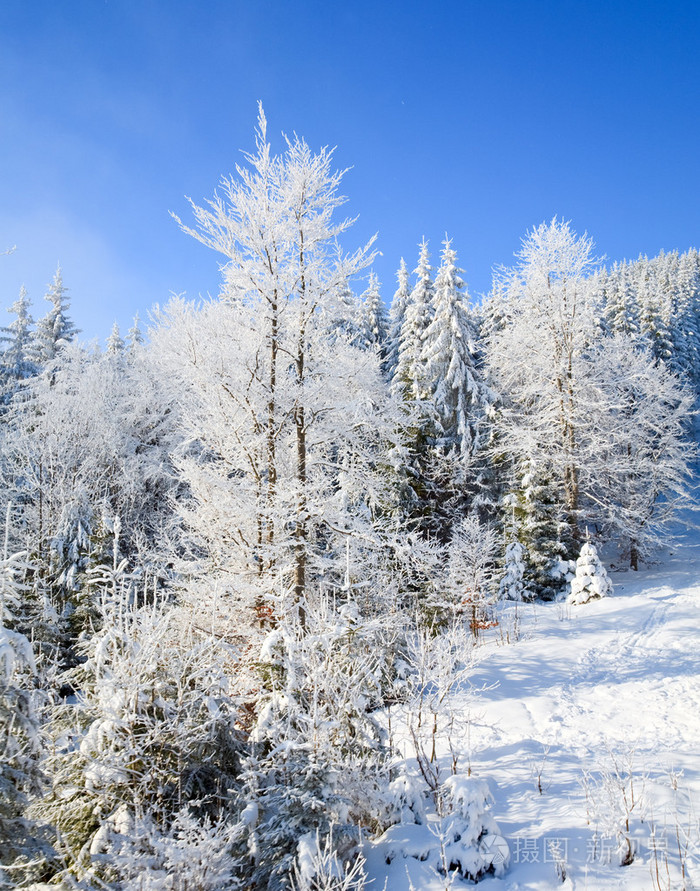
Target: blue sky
(479, 119)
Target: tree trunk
(300, 530)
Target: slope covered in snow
(586, 729)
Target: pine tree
(534, 508)
(55, 330)
(409, 376)
(134, 337)
(20, 732)
(318, 757)
(512, 585)
(374, 315)
(16, 363)
(452, 380)
(115, 342)
(397, 314)
(591, 580)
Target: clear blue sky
(477, 118)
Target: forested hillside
(235, 542)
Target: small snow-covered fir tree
(512, 585)
(592, 580)
(534, 508)
(318, 755)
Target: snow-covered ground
(590, 722)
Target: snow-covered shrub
(318, 753)
(190, 855)
(318, 867)
(467, 582)
(153, 726)
(615, 799)
(440, 665)
(592, 580)
(461, 838)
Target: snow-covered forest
(257, 554)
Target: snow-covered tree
(152, 727)
(468, 585)
(55, 330)
(88, 442)
(289, 421)
(115, 342)
(409, 379)
(319, 758)
(134, 337)
(454, 385)
(16, 364)
(20, 730)
(635, 445)
(397, 313)
(591, 580)
(511, 585)
(374, 315)
(534, 358)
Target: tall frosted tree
(408, 376)
(16, 363)
(535, 357)
(374, 315)
(454, 385)
(55, 330)
(115, 342)
(292, 420)
(397, 313)
(134, 337)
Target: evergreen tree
(55, 330)
(16, 363)
(318, 757)
(453, 383)
(591, 580)
(115, 342)
(538, 524)
(374, 315)
(512, 585)
(409, 378)
(134, 337)
(397, 313)
(20, 730)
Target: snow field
(586, 730)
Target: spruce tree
(16, 363)
(55, 330)
(454, 385)
(408, 376)
(397, 313)
(115, 342)
(134, 337)
(374, 323)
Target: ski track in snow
(614, 680)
